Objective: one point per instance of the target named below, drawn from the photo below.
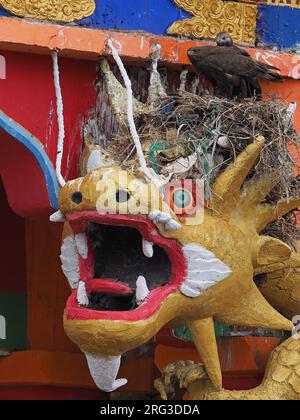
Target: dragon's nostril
(76, 197)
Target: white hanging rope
(156, 89)
(183, 77)
(130, 118)
(60, 120)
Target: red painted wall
(28, 96)
(23, 179)
(50, 393)
(12, 246)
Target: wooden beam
(77, 42)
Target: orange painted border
(69, 370)
(76, 42)
(35, 367)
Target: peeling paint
(2, 67)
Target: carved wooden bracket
(213, 16)
(58, 10)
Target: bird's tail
(274, 77)
(268, 66)
(269, 74)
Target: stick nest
(216, 130)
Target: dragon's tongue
(107, 286)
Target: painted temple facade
(37, 360)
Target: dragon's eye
(76, 197)
(183, 197)
(122, 196)
(182, 200)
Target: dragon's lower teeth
(142, 290)
(147, 248)
(82, 297)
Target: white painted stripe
(204, 270)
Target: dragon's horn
(118, 95)
(227, 188)
(267, 213)
(255, 191)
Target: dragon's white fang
(104, 371)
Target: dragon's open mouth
(119, 254)
(125, 269)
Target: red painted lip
(79, 223)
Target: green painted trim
(13, 314)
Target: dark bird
(230, 69)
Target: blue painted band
(4, 12)
(279, 26)
(36, 149)
(153, 16)
(276, 25)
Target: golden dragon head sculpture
(135, 265)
